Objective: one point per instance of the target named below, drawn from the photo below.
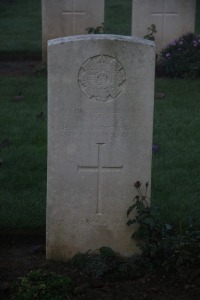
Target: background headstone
(69, 17)
(172, 18)
(100, 119)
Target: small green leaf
(137, 198)
(79, 260)
(130, 222)
(140, 245)
(137, 184)
(130, 209)
(107, 252)
(140, 206)
(150, 221)
(135, 235)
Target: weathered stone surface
(171, 17)
(69, 17)
(100, 119)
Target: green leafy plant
(181, 58)
(160, 244)
(151, 31)
(96, 30)
(150, 233)
(104, 262)
(95, 264)
(40, 285)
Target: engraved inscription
(102, 78)
(99, 168)
(110, 132)
(90, 222)
(97, 124)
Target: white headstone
(100, 119)
(172, 18)
(69, 17)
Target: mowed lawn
(175, 167)
(23, 152)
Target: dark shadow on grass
(20, 56)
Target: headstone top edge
(94, 37)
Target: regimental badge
(102, 78)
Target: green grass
(176, 175)
(197, 23)
(23, 174)
(118, 16)
(20, 27)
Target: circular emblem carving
(102, 78)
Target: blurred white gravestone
(172, 18)
(69, 17)
(100, 119)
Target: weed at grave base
(161, 245)
(105, 263)
(97, 30)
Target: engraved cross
(74, 13)
(164, 14)
(99, 168)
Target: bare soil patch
(21, 253)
